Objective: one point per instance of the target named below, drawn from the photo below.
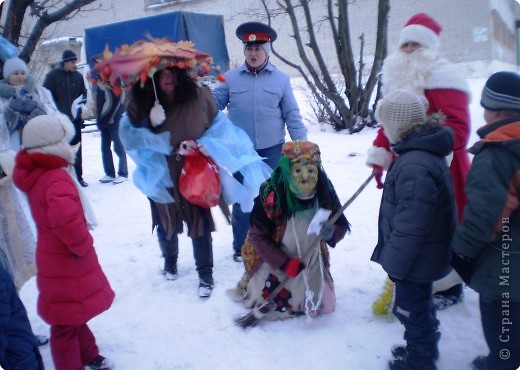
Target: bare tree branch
(46, 12)
(317, 74)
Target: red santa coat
(72, 287)
(447, 92)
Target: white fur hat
(422, 29)
(49, 135)
(400, 110)
(12, 65)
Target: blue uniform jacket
(262, 105)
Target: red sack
(199, 181)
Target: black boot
(170, 252)
(449, 297)
(203, 254)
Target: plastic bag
(199, 181)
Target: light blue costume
(226, 144)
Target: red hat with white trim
(422, 29)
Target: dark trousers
(78, 163)
(239, 219)
(502, 333)
(202, 251)
(72, 346)
(415, 310)
(109, 135)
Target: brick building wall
(478, 34)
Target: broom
(264, 306)
(383, 305)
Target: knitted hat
(422, 29)
(14, 65)
(68, 55)
(502, 92)
(398, 111)
(49, 135)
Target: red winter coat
(454, 105)
(72, 287)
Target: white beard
(408, 71)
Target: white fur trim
(446, 75)
(88, 212)
(446, 282)
(379, 156)
(7, 162)
(420, 34)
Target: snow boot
(406, 358)
(100, 363)
(399, 352)
(205, 289)
(203, 254)
(170, 252)
(479, 363)
(448, 298)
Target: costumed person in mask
(167, 111)
(260, 100)
(75, 292)
(278, 237)
(21, 99)
(416, 66)
(417, 220)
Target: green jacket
(489, 235)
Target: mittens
(327, 231)
(23, 104)
(157, 115)
(293, 267)
(378, 175)
(37, 112)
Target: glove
(378, 175)
(23, 105)
(463, 265)
(37, 112)
(293, 267)
(77, 105)
(327, 231)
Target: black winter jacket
(417, 217)
(65, 87)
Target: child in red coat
(72, 287)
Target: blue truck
(206, 31)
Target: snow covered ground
(156, 324)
